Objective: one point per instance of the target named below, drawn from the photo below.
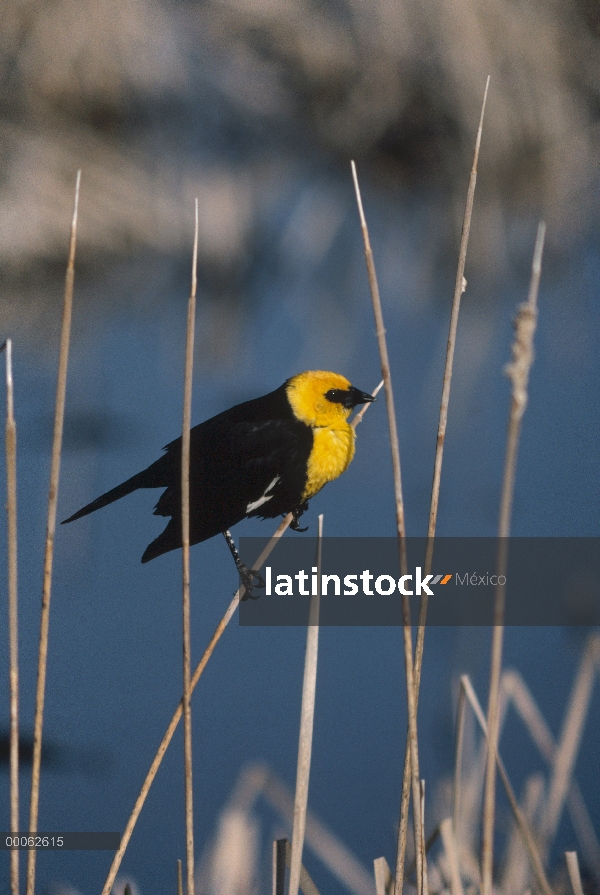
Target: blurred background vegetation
(255, 105)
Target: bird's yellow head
(323, 399)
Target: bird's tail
(137, 481)
(169, 539)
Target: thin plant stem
(185, 557)
(384, 881)
(431, 840)
(518, 372)
(458, 751)
(574, 875)
(424, 881)
(358, 417)
(459, 288)
(307, 716)
(279, 850)
(451, 850)
(168, 736)
(179, 878)
(13, 635)
(401, 528)
(59, 415)
(306, 884)
(386, 374)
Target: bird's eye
(335, 395)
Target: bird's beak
(356, 397)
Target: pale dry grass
(518, 372)
(459, 288)
(59, 415)
(185, 560)
(453, 868)
(13, 609)
(307, 717)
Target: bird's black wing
(270, 468)
(237, 469)
(250, 460)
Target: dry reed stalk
(468, 826)
(518, 372)
(306, 883)
(459, 288)
(279, 866)
(384, 881)
(400, 524)
(185, 558)
(13, 615)
(423, 844)
(460, 732)
(179, 878)
(466, 802)
(451, 851)
(358, 417)
(387, 377)
(516, 870)
(307, 716)
(59, 414)
(528, 838)
(573, 869)
(431, 840)
(168, 736)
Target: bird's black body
(235, 458)
(266, 457)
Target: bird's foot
(296, 513)
(250, 579)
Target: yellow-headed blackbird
(265, 457)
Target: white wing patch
(266, 496)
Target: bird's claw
(250, 579)
(296, 513)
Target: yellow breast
(333, 449)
